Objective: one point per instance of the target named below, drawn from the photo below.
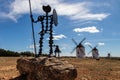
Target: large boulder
(44, 68)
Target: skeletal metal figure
(46, 27)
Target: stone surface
(43, 68)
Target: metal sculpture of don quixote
(47, 22)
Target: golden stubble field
(87, 69)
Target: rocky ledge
(44, 68)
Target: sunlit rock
(43, 68)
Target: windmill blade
(74, 42)
(82, 40)
(90, 46)
(90, 52)
(73, 50)
(96, 46)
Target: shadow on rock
(21, 77)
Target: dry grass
(88, 69)
(8, 68)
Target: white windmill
(95, 53)
(80, 49)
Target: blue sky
(97, 20)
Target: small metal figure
(109, 55)
(57, 50)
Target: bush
(27, 53)
(8, 53)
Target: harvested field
(88, 69)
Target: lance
(31, 16)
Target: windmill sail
(90, 46)
(96, 46)
(74, 42)
(73, 50)
(82, 40)
(90, 52)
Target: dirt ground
(87, 69)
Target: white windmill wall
(80, 52)
(95, 54)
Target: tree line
(8, 53)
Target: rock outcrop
(44, 68)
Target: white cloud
(92, 29)
(63, 46)
(101, 44)
(98, 44)
(4, 16)
(57, 37)
(87, 43)
(91, 16)
(69, 9)
(80, 34)
(74, 11)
